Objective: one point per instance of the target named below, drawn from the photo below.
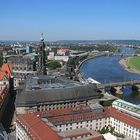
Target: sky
(69, 19)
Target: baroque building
(25, 65)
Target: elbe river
(107, 69)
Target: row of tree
(99, 47)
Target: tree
(103, 130)
(53, 64)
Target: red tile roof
(97, 138)
(41, 131)
(130, 120)
(7, 68)
(64, 49)
(2, 74)
(67, 115)
(80, 134)
(37, 128)
(57, 112)
(3, 94)
(79, 116)
(6, 71)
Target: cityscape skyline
(69, 20)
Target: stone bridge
(118, 84)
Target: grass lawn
(134, 62)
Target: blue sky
(69, 19)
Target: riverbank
(94, 56)
(124, 62)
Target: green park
(134, 63)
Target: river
(106, 69)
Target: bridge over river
(118, 84)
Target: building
(5, 75)
(31, 127)
(81, 116)
(63, 51)
(132, 109)
(82, 134)
(3, 134)
(22, 67)
(62, 54)
(80, 122)
(50, 92)
(125, 124)
(19, 50)
(37, 126)
(51, 56)
(29, 64)
(6, 88)
(128, 124)
(61, 58)
(1, 50)
(29, 49)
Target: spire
(42, 57)
(42, 37)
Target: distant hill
(129, 42)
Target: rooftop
(41, 125)
(3, 94)
(50, 82)
(64, 116)
(128, 106)
(130, 120)
(37, 129)
(51, 89)
(6, 71)
(82, 132)
(79, 116)
(19, 59)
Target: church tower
(42, 57)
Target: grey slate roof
(61, 91)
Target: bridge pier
(117, 91)
(117, 88)
(103, 90)
(136, 87)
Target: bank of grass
(134, 63)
